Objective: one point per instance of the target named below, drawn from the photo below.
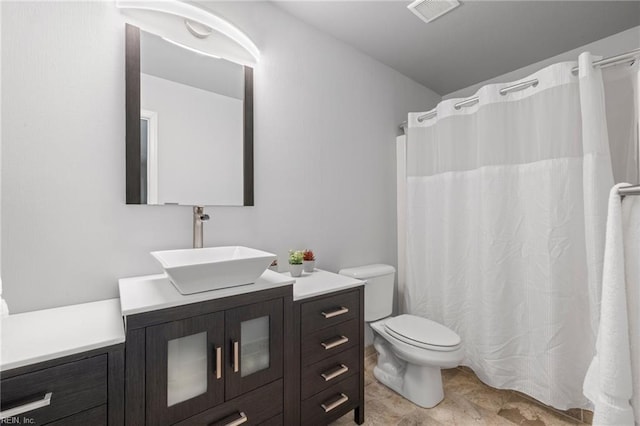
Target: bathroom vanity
(64, 366)
(329, 347)
(276, 352)
(215, 357)
(279, 351)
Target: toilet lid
(421, 332)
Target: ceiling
(477, 41)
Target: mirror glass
(194, 137)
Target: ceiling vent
(430, 10)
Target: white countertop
(37, 336)
(152, 292)
(321, 282)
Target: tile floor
(467, 401)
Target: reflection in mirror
(193, 142)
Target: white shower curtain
(506, 213)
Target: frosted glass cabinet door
(184, 367)
(254, 345)
(255, 335)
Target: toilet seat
(422, 333)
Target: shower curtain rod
(630, 56)
(629, 190)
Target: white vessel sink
(203, 269)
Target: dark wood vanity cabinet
(330, 356)
(215, 362)
(210, 328)
(79, 389)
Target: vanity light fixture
(192, 27)
(191, 49)
(196, 15)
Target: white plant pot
(309, 265)
(296, 270)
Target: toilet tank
(378, 291)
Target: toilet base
(421, 385)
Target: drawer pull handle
(337, 342)
(338, 371)
(218, 363)
(335, 404)
(233, 420)
(29, 406)
(236, 356)
(242, 419)
(341, 310)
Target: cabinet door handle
(236, 356)
(335, 404)
(232, 420)
(29, 406)
(340, 311)
(218, 362)
(338, 371)
(335, 342)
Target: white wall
(200, 145)
(0, 157)
(613, 45)
(326, 118)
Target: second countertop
(321, 282)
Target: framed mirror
(189, 125)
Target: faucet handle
(204, 217)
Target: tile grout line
(467, 370)
(511, 395)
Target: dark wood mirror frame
(132, 153)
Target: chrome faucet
(199, 216)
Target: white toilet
(411, 349)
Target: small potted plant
(295, 262)
(309, 260)
(274, 265)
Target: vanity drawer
(274, 421)
(56, 392)
(331, 403)
(330, 341)
(257, 406)
(329, 311)
(325, 373)
(94, 417)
